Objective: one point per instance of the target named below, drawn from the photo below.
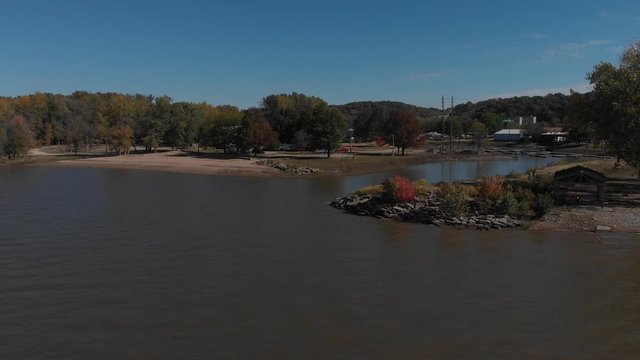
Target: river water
(116, 264)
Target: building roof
(509, 132)
(580, 175)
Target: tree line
(120, 122)
(551, 110)
(609, 114)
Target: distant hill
(550, 110)
(353, 109)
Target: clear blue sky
(237, 52)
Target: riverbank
(621, 219)
(344, 165)
(172, 161)
(519, 201)
(268, 164)
(621, 211)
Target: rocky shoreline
(424, 211)
(298, 170)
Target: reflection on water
(107, 264)
(451, 171)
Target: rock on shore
(424, 211)
(302, 170)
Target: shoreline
(591, 219)
(171, 161)
(621, 213)
(203, 164)
(609, 219)
(575, 218)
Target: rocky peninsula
(424, 211)
(489, 203)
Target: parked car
(286, 147)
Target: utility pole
(451, 130)
(442, 137)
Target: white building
(526, 120)
(508, 135)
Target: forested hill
(353, 109)
(550, 110)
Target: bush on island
(369, 190)
(423, 188)
(543, 203)
(453, 198)
(398, 189)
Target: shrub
(505, 204)
(398, 189)
(470, 191)
(490, 188)
(525, 199)
(539, 183)
(453, 198)
(533, 175)
(369, 190)
(420, 182)
(542, 204)
(422, 187)
(512, 175)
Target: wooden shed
(580, 183)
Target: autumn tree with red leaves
(405, 128)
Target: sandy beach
(588, 218)
(174, 161)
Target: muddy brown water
(113, 264)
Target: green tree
(368, 122)
(533, 131)
(290, 113)
(176, 134)
(454, 123)
(577, 122)
(478, 131)
(121, 139)
(615, 105)
(226, 127)
(256, 131)
(18, 137)
(3, 140)
(146, 127)
(493, 122)
(76, 133)
(327, 128)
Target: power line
(451, 130)
(444, 119)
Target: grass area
(607, 167)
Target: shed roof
(580, 175)
(509, 132)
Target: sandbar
(174, 161)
